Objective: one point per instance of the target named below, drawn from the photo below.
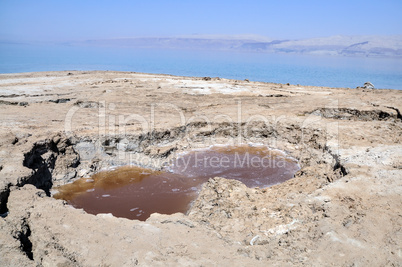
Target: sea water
(332, 71)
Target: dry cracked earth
(343, 207)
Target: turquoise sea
(333, 71)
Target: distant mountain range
(390, 46)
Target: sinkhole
(135, 193)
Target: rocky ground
(343, 207)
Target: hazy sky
(59, 20)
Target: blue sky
(52, 20)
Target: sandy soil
(343, 207)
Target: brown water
(135, 192)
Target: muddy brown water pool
(135, 193)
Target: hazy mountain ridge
(333, 45)
(345, 45)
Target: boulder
(368, 85)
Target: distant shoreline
(205, 78)
(361, 46)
